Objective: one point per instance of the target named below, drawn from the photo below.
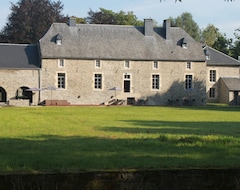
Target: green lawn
(110, 138)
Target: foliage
(235, 48)
(104, 16)
(186, 22)
(30, 19)
(103, 138)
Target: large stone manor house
(88, 64)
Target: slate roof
(233, 84)
(19, 56)
(118, 42)
(218, 58)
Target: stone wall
(15, 79)
(80, 81)
(230, 71)
(191, 179)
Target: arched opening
(23, 93)
(3, 95)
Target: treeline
(30, 19)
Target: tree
(105, 16)
(209, 35)
(186, 22)
(30, 19)
(223, 44)
(235, 49)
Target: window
(127, 83)
(184, 43)
(155, 64)
(61, 62)
(212, 93)
(127, 64)
(189, 65)
(188, 82)
(155, 82)
(59, 39)
(98, 64)
(98, 81)
(212, 75)
(61, 80)
(127, 76)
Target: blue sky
(222, 14)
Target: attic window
(59, 39)
(207, 55)
(184, 44)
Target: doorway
(3, 95)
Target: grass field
(111, 138)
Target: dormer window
(207, 55)
(59, 39)
(184, 44)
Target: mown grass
(110, 138)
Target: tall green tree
(209, 35)
(30, 19)
(235, 49)
(186, 22)
(104, 16)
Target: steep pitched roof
(233, 84)
(217, 58)
(19, 56)
(91, 41)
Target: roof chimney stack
(148, 27)
(72, 22)
(166, 26)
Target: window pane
(155, 81)
(212, 93)
(98, 81)
(61, 80)
(98, 64)
(212, 76)
(188, 82)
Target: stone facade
(15, 81)
(79, 82)
(220, 90)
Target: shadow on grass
(179, 128)
(75, 153)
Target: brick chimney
(166, 26)
(148, 27)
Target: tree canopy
(30, 19)
(186, 22)
(104, 16)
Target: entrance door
(127, 86)
(3, 95)
(235, 98)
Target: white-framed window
(155, 81)
(98, 81)
(155, 64)
(188, 81)
(184, 44)
(189, 65)
(59, 39)
(212, 93)
(61, 62)
(212, 75)
(127, 83)
(62, 80)
(97, 63)
(127, 64)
